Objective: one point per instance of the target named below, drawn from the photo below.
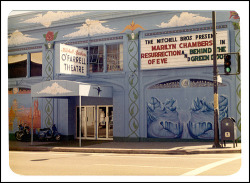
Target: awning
(65, 88)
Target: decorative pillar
(133, 78)
(133, 89)
(236, 25)
(49, 75)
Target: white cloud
(184, 19)
(17, 38)
(55, 88)
(47, 19)
(92, 27)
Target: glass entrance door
(88, 122)
(105, 122)
(96, 122)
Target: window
(96, 59)
(115, 57)
(17, 66)
(36, 64)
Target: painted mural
(17, 38)
(187, 115)
(235, 17)
(132, 27)
(133, 89)
(49, 17)
(182, 117)
(20, 111)
(92, 27)
(49, 37)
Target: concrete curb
(124, 151)
(30, 148)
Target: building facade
(157, 66)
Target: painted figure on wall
(163, 120)
(181, 110)
(168, 120)
(18, 114)
(200, 125)
(132, 26)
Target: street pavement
(129, 147)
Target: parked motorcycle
(23, 134)
(49, 134)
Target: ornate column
(49, 75)
(133, 89)
(133, 79)
(236, 24)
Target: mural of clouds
(17, 38)
(55, 88)
(184, 19)
(47, 19)
(92, 27)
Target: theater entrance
(96, 122)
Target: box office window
(36, 64)
(17, 66)
(114, 57)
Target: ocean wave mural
(165, 119)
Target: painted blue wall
(133, 99)
(184, 111)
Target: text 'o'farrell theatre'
(122, 75)
(73, 60)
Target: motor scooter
(23, 134)
(49, 134)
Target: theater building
(121, 75)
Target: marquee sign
(185, 50)
(72, 60)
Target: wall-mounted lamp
(132, 35)
(50, 45)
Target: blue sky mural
(185, 18)
(91, 27)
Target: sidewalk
(126, 147)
